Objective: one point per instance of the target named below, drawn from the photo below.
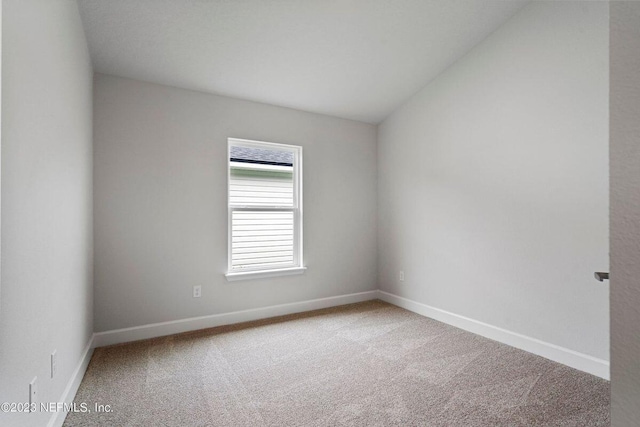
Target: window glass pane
(267, 156)
(261, 177)
(261, 239)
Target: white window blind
(264, 214)
(261, 239)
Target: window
(265, 209)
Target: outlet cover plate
(33, 391)
(54, 363)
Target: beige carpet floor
(367, 364)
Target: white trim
(574, 359)
(153, 330)
(69, 393)
(261, 274)
(299, 224)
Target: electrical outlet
(197, 291)
(33, 392)
(54, 363)
(401, 275)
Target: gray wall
(493, 181)
(161, 203)
(46, 200)
(625, 213)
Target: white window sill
(261, 274)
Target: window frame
(297, 266)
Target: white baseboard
(69, 393)
(153, 330)
(574, 359)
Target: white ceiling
(357, 59)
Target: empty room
(320, 213)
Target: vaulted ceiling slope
(356, 59)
